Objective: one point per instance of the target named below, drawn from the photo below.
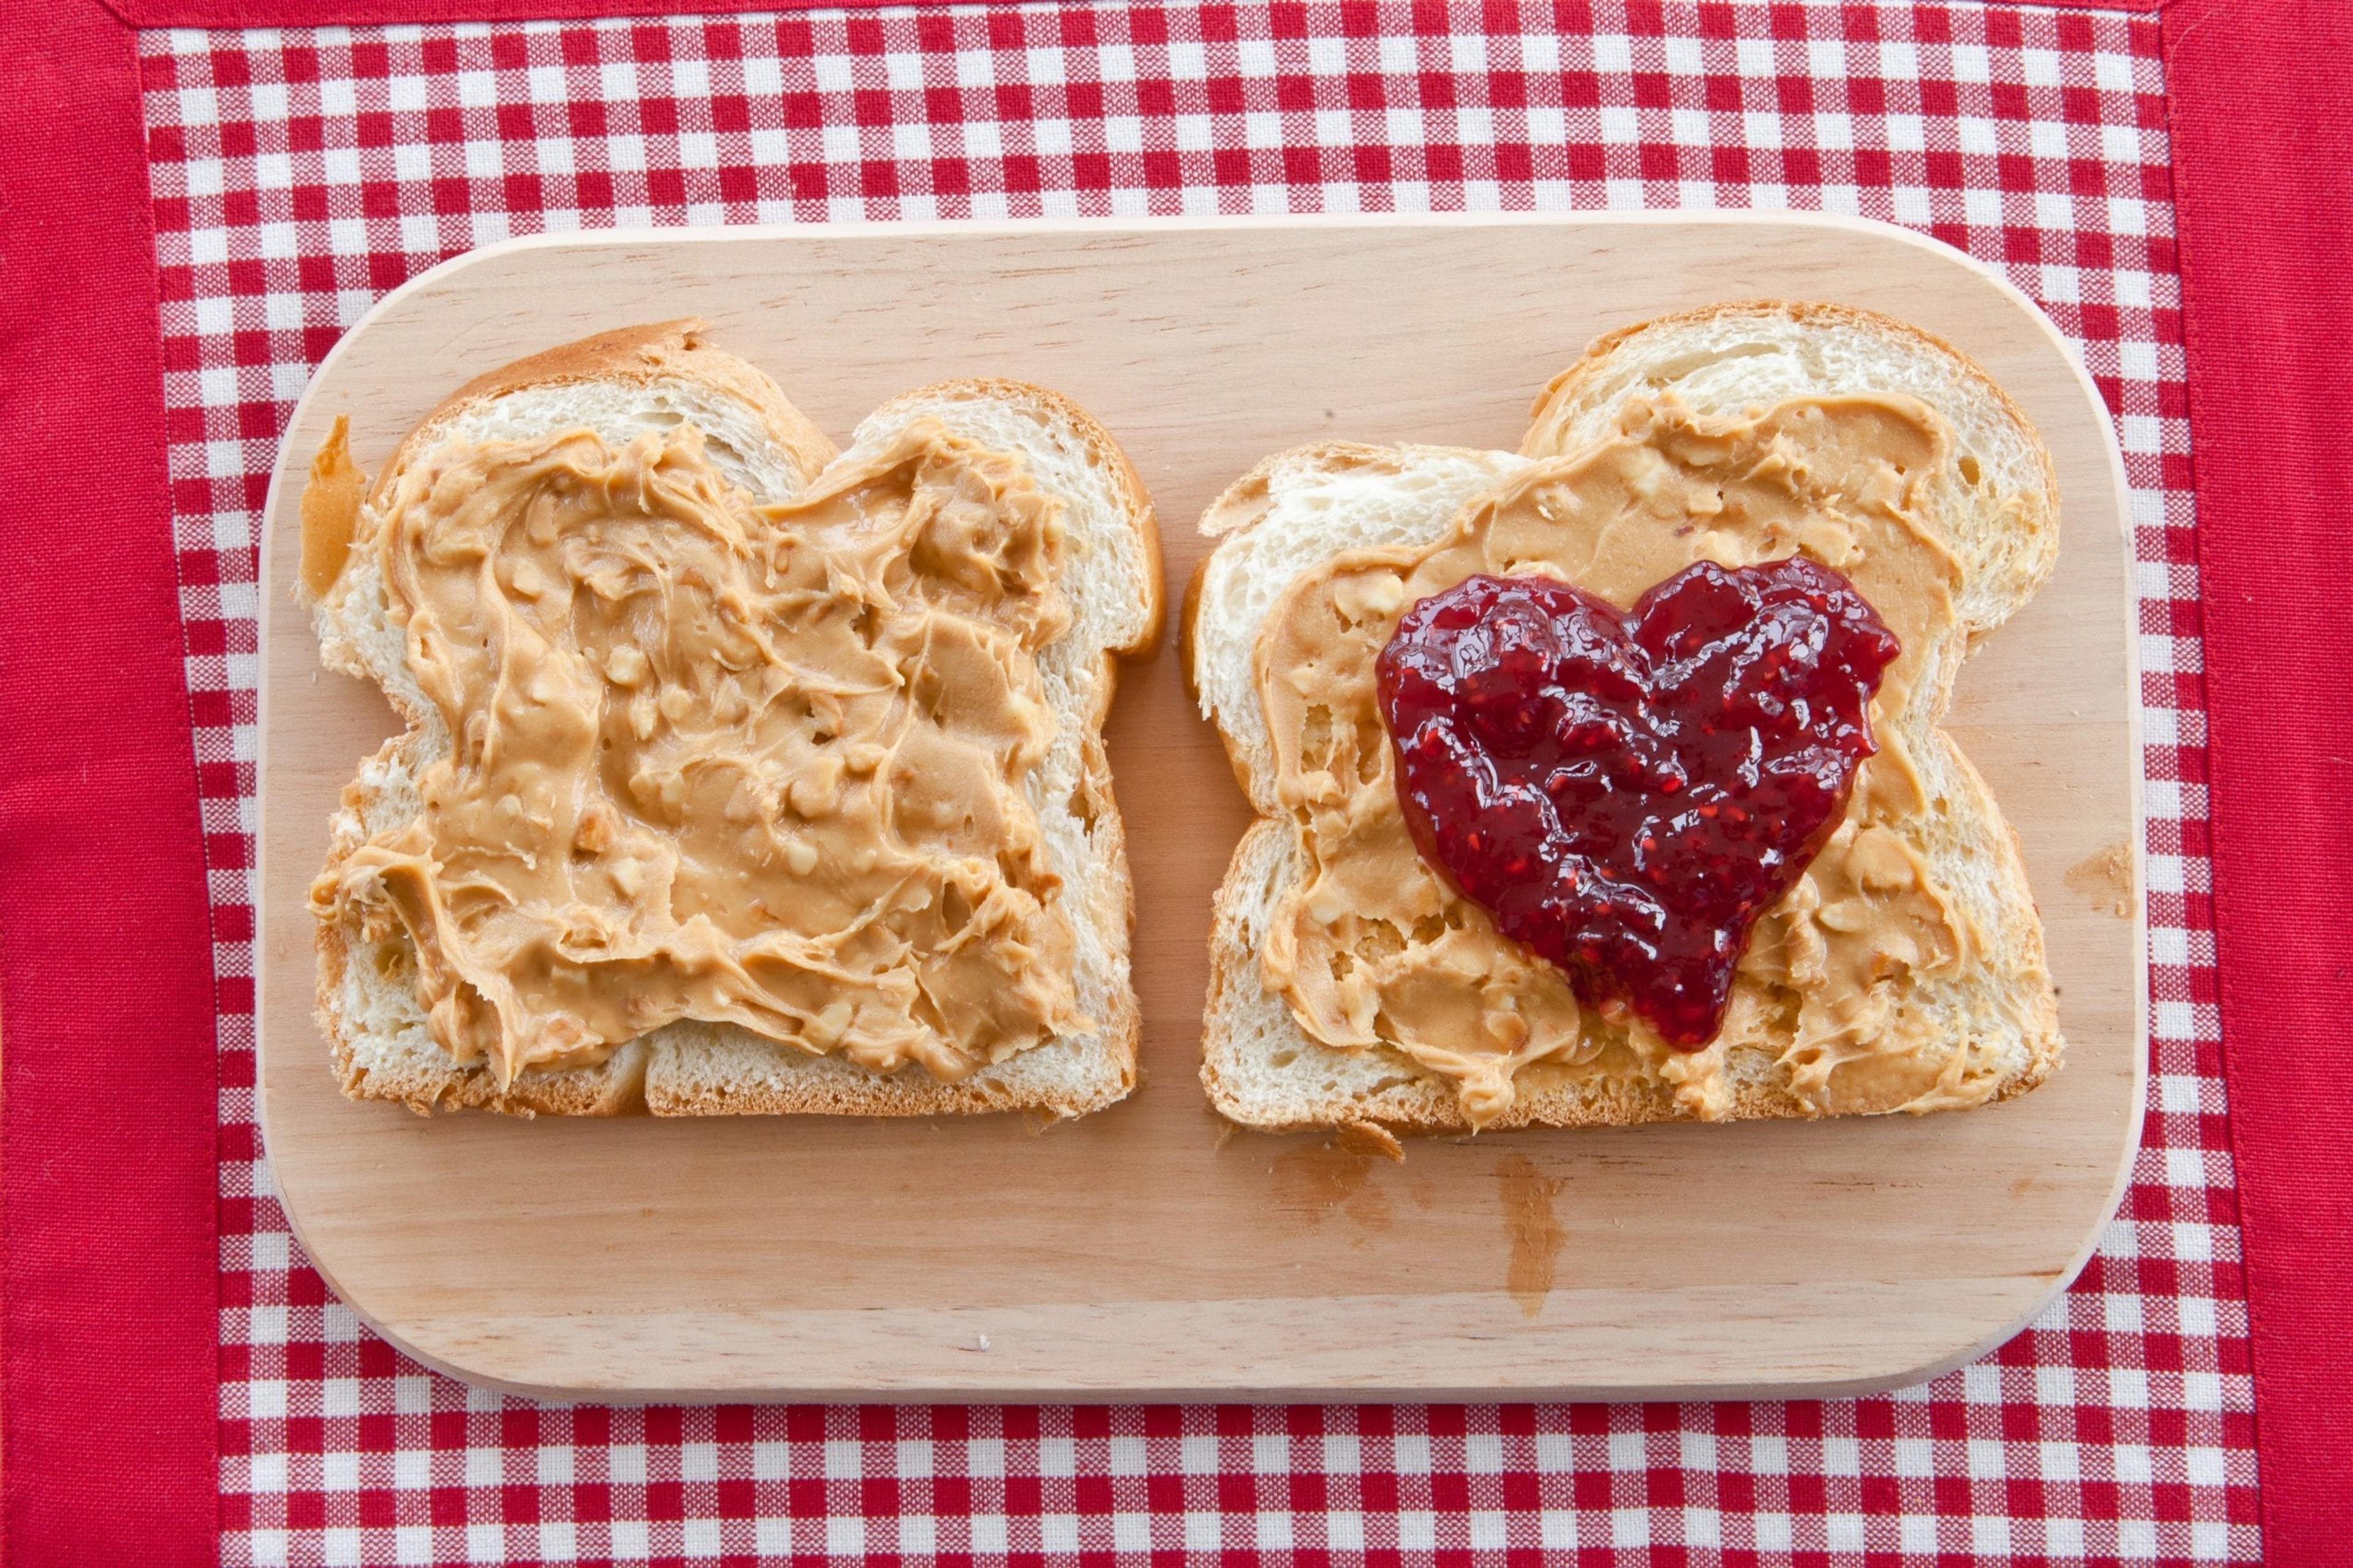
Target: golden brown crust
(1188, 612)
(661, 350)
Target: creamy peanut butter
(331, 509)
(757, 765)
(1373, 947)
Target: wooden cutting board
(1151, 1250)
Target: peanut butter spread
(330, 508)
(1372, 946)
(758, 765)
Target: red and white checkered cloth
(299, 176)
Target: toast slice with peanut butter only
(656, 427)
(1352, 984)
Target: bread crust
(661, 351)
(627, 1082)
(1408, 1100)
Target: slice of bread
(625, 383)
(1995, 503)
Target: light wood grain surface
(1150, 1251)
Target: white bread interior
(624, 383)
(1299, 509)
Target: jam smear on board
(1625, 792)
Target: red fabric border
(2263, 187)
(112, 1330)
(1574, 15)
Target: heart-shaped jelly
(1625, 792)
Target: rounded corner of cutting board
(1587, 274)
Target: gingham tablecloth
(298, 175)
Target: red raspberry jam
(1626, 793)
